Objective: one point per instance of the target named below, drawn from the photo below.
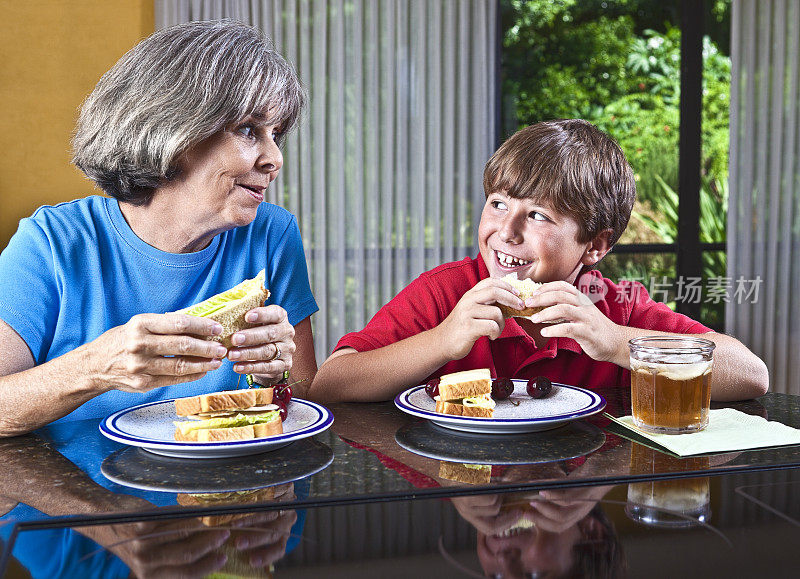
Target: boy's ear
(598, 247)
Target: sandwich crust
(248, 432)
(456, 409)
(465, 384)
(224, 400)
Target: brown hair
(572, 166)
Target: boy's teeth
(510, 261)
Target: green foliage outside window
(617, 64)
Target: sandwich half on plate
(467, 393)
(227, 415)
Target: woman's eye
(246, 130)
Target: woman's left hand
(570, 313)
(265, 350)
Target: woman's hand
(476, 315)
(571, 314)
(266, 350)
(183, 548)
(154, 350)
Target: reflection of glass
(667, 503)
(671, 383)
(671, 503)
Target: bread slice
(465, 384)
(224, 400)
(473, 474)
(247, 432)
(525, 287)
(229, 307)
(222, 499)
(457, 409)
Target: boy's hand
(475, 315)
(573, 315)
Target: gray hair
(174, 89)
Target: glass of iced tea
(671, 383)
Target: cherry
(281, 408)
(539, 387)
(502, 388)
(432, 387)
(283, 392)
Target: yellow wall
(52, 52)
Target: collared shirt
(430, 298)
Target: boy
(558, 196)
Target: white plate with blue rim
(518, 413)
(150, 426)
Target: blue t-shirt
(74, 270)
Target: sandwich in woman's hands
(228, 415)
(466, 393)
(229, 307)
(525, 287)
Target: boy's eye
(276, 135)
(536, 216)
(499, 205)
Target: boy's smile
(531, 239)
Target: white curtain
(384, 175)
(764, 215)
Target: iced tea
(671, 383)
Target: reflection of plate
(564, 404)
(133, 467)
(426, 439)
(151, 427)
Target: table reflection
(551, 533)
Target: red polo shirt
(430, 298)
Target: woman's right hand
(154, 350)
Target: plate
(564, 404)
(136, 468)
(563, 443)
(150, 426)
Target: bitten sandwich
(467, 393)
(229, 307)
(227, 415)
(525, 287)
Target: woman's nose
(270, 158)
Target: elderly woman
(183, 134)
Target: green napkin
(727, 430)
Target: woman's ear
(598, 247)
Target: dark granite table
(364, 498)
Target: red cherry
(539, 387)
(283, 392)
(281, 409)
(432, 387)
(502, 388)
